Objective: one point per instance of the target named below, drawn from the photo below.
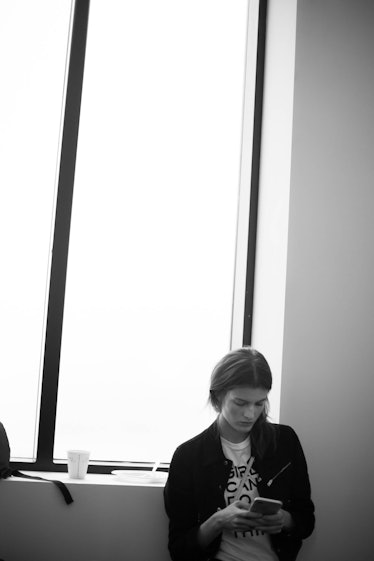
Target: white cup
(78, 463)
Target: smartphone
(265, 506)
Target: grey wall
(328, 361)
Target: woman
(215, 476)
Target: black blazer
(197, 479)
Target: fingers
(273, 519)
(271, 524)
(241, 504)
(253, 515)
(237, 517)
(247, 519)
(270, 529)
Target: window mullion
(48, 403)
(255, 173)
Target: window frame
(68, 149)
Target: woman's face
(240, 409)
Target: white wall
(328, 355)
(274, 192)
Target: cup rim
(78, 452)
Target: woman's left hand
(275, 523)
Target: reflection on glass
(33, 43)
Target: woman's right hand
(237, 518)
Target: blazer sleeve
(302, 505)
(299, 504)
(182, 510)
(295, 491)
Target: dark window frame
(50, 376)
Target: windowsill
(90, 479)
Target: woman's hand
(237, 518)
(275, 523)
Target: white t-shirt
(244, 546)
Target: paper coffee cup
(78, 463)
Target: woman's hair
(244, 367)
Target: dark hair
(245, 367)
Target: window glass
(152, 247)
(33, 45)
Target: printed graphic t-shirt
(238, 546)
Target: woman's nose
(249, 413)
